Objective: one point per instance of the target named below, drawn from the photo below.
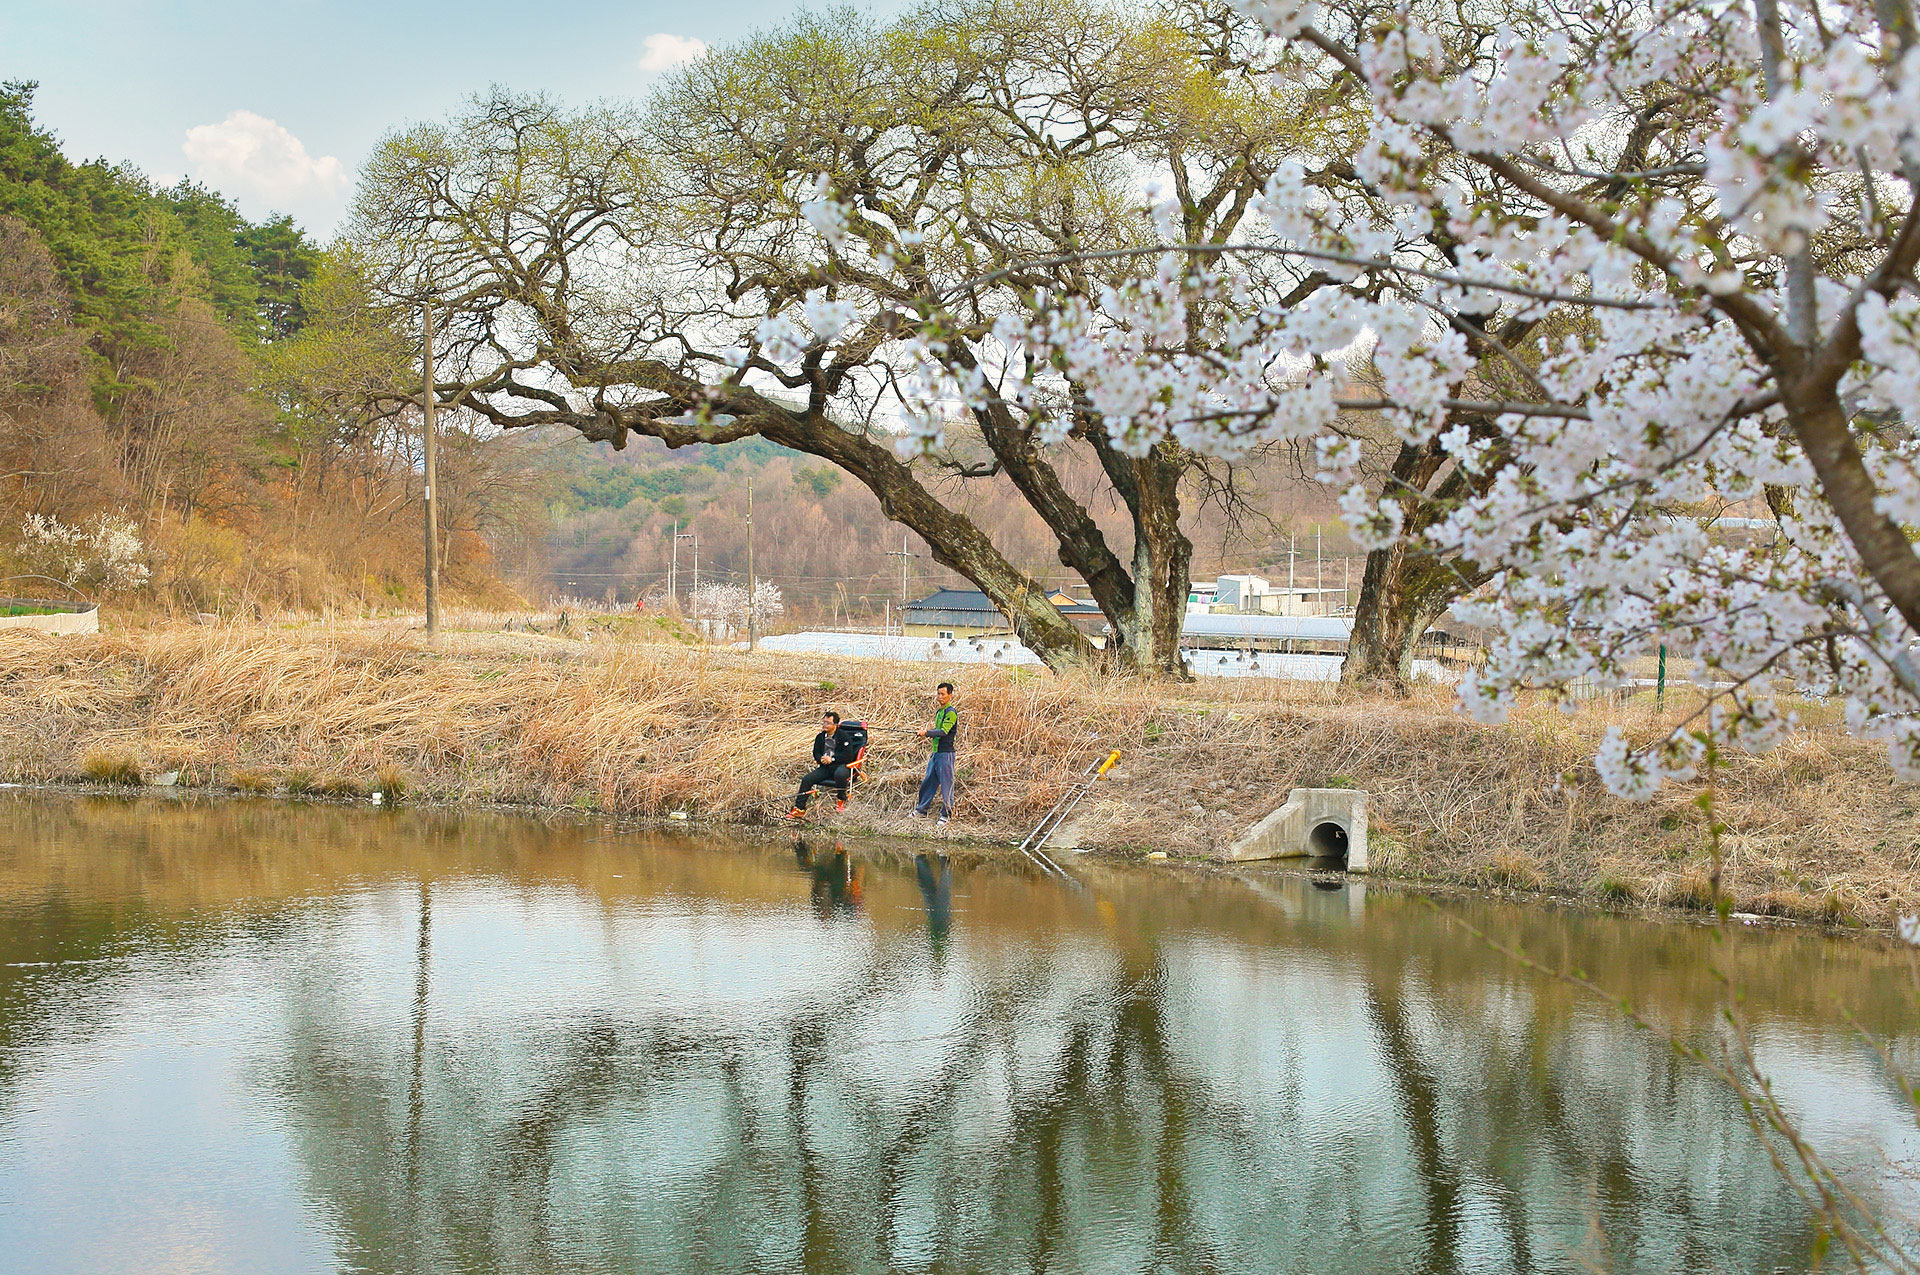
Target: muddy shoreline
(1819, 830)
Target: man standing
(939, 779)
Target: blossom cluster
(1636, 199)
(104, 553)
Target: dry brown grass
(110, 766)
(391, 782)
(1819, 828)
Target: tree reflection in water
(507, 1046)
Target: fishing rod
(1050, 822)
(870, 727)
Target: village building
(968, 613)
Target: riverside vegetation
(1817, 828)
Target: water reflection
(240, 1036)
(934, 875)
(838, 881)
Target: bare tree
(669, 272)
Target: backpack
(851, 736)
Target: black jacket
(843, 747)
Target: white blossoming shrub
(103, 555)
(725, 606)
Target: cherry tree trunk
(1402, 592)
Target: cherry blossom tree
(1687, 233)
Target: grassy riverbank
(1819, 830)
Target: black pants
(828, 776)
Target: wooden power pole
(753, 621)
(905, 560)
(431, 472)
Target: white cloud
(256, 161)
(665, 51)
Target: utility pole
(433, 513)
(1346, 583)
(903, 555)
(678, 536)
(1289, 565)
(753, 622)
(1319, 595)
(673, 566)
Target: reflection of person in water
(936, 888)
(838, 882)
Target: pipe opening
(1328, 845)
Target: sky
(276, 103)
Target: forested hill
(157, 377)
(125, 249)
(199, 385)
(822, 538)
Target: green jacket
(946, 725)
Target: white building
(1254, 595)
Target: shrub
(111, 766)
(105, 554)
(249, 781)
(343, 786)
(1512, 870)
(391, 782)
(1693, 891)
(1612, 888)
(300, 783)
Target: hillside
(823, 539)
(157, 410)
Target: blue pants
(939, 781)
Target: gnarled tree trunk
(1402, 593)
(1406, 588)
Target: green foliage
(603, 487)
(283, 261)
(1612, 888)
(818, 479)
(128, 252)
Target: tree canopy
(660, 270)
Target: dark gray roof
(951, 600)
(950, 604)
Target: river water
(245, 1036)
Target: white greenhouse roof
(1005, 651)
(1308, 628)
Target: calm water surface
(252, 1037)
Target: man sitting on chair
(837, 753)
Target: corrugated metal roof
(951, 603)
(954, 600)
